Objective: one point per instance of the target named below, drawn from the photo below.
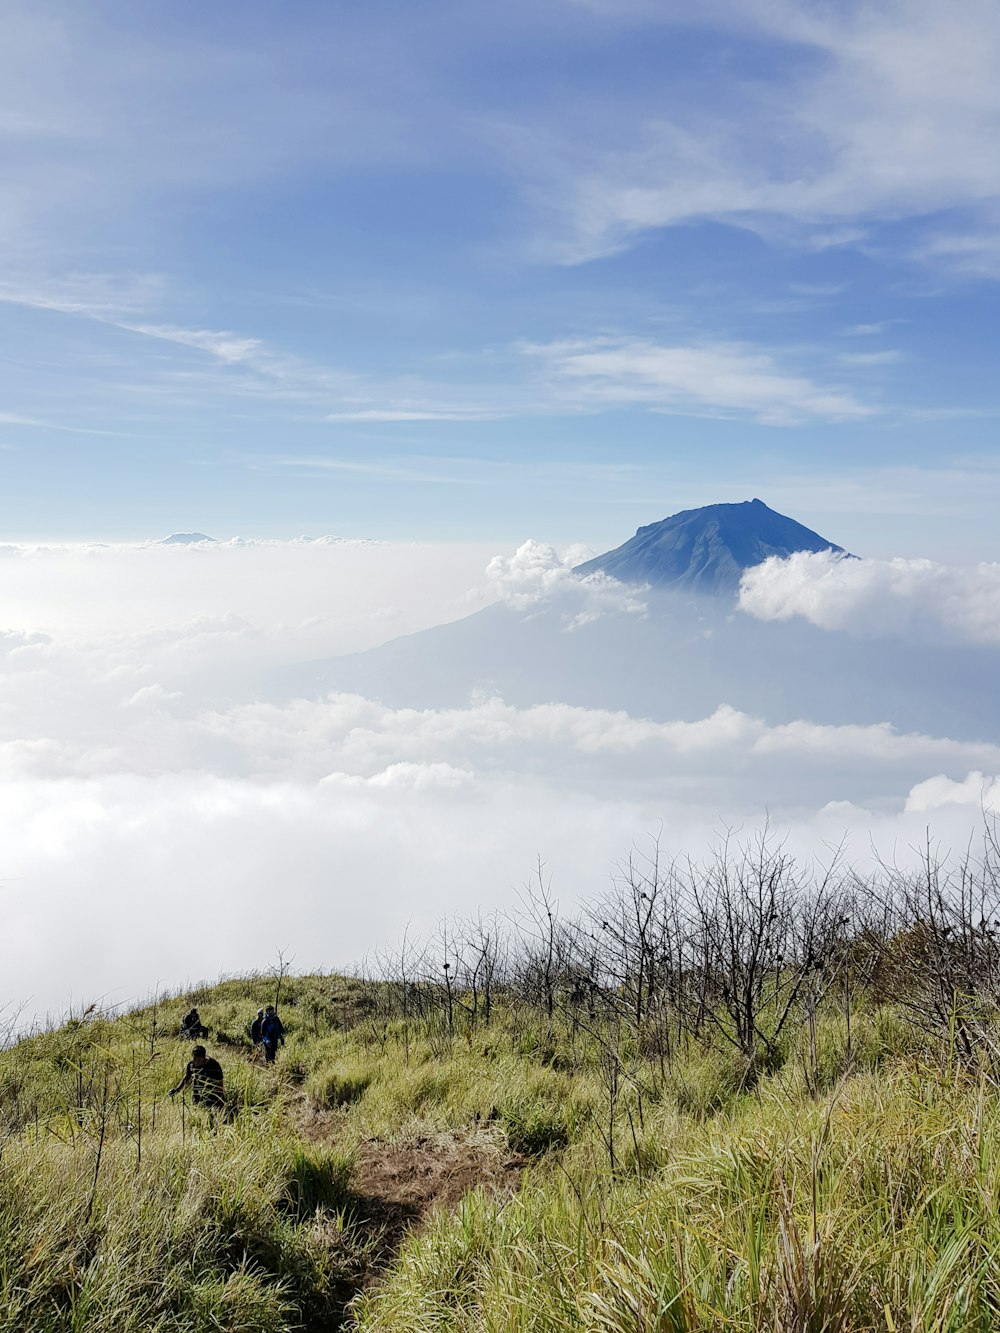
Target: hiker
(271, 1032)
(205, 1076)
(255, 1028)
(192, 1027)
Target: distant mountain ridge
(707, 550)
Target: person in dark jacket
(255, 1027)
(271, 1033)
(192, 1027)
(206, 1079)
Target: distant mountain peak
(185, 539)
(707, 550)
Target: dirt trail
(395, 1185)
(438, 1169)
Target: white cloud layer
(920, 598)
(160, 822)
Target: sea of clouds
(164, 818)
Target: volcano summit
(707, 550)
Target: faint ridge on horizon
(707, 550)
(185, 539)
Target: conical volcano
(707, 550)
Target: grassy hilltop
(728, 1097)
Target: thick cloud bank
(536, 573)
(917, 598)
(162, 820)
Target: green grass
(877, 1212)
(848, 1188)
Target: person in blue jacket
(271, 1033)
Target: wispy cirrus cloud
(103, 296)
(707, 378)
(584, 374)
(579, 374)
(39, 423)
(880, 113)
(890, 356)
(251, 365)
(425, 471)
(872, 329)
(391, 414)
(973, 254)
(232, 348)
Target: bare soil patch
(434, 1170)
(396, 1183)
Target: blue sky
(436, 270)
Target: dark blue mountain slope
(706, 550)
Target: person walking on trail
(204, 1074)
(271, 1033)
(255, 1028)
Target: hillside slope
(504, 1142)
